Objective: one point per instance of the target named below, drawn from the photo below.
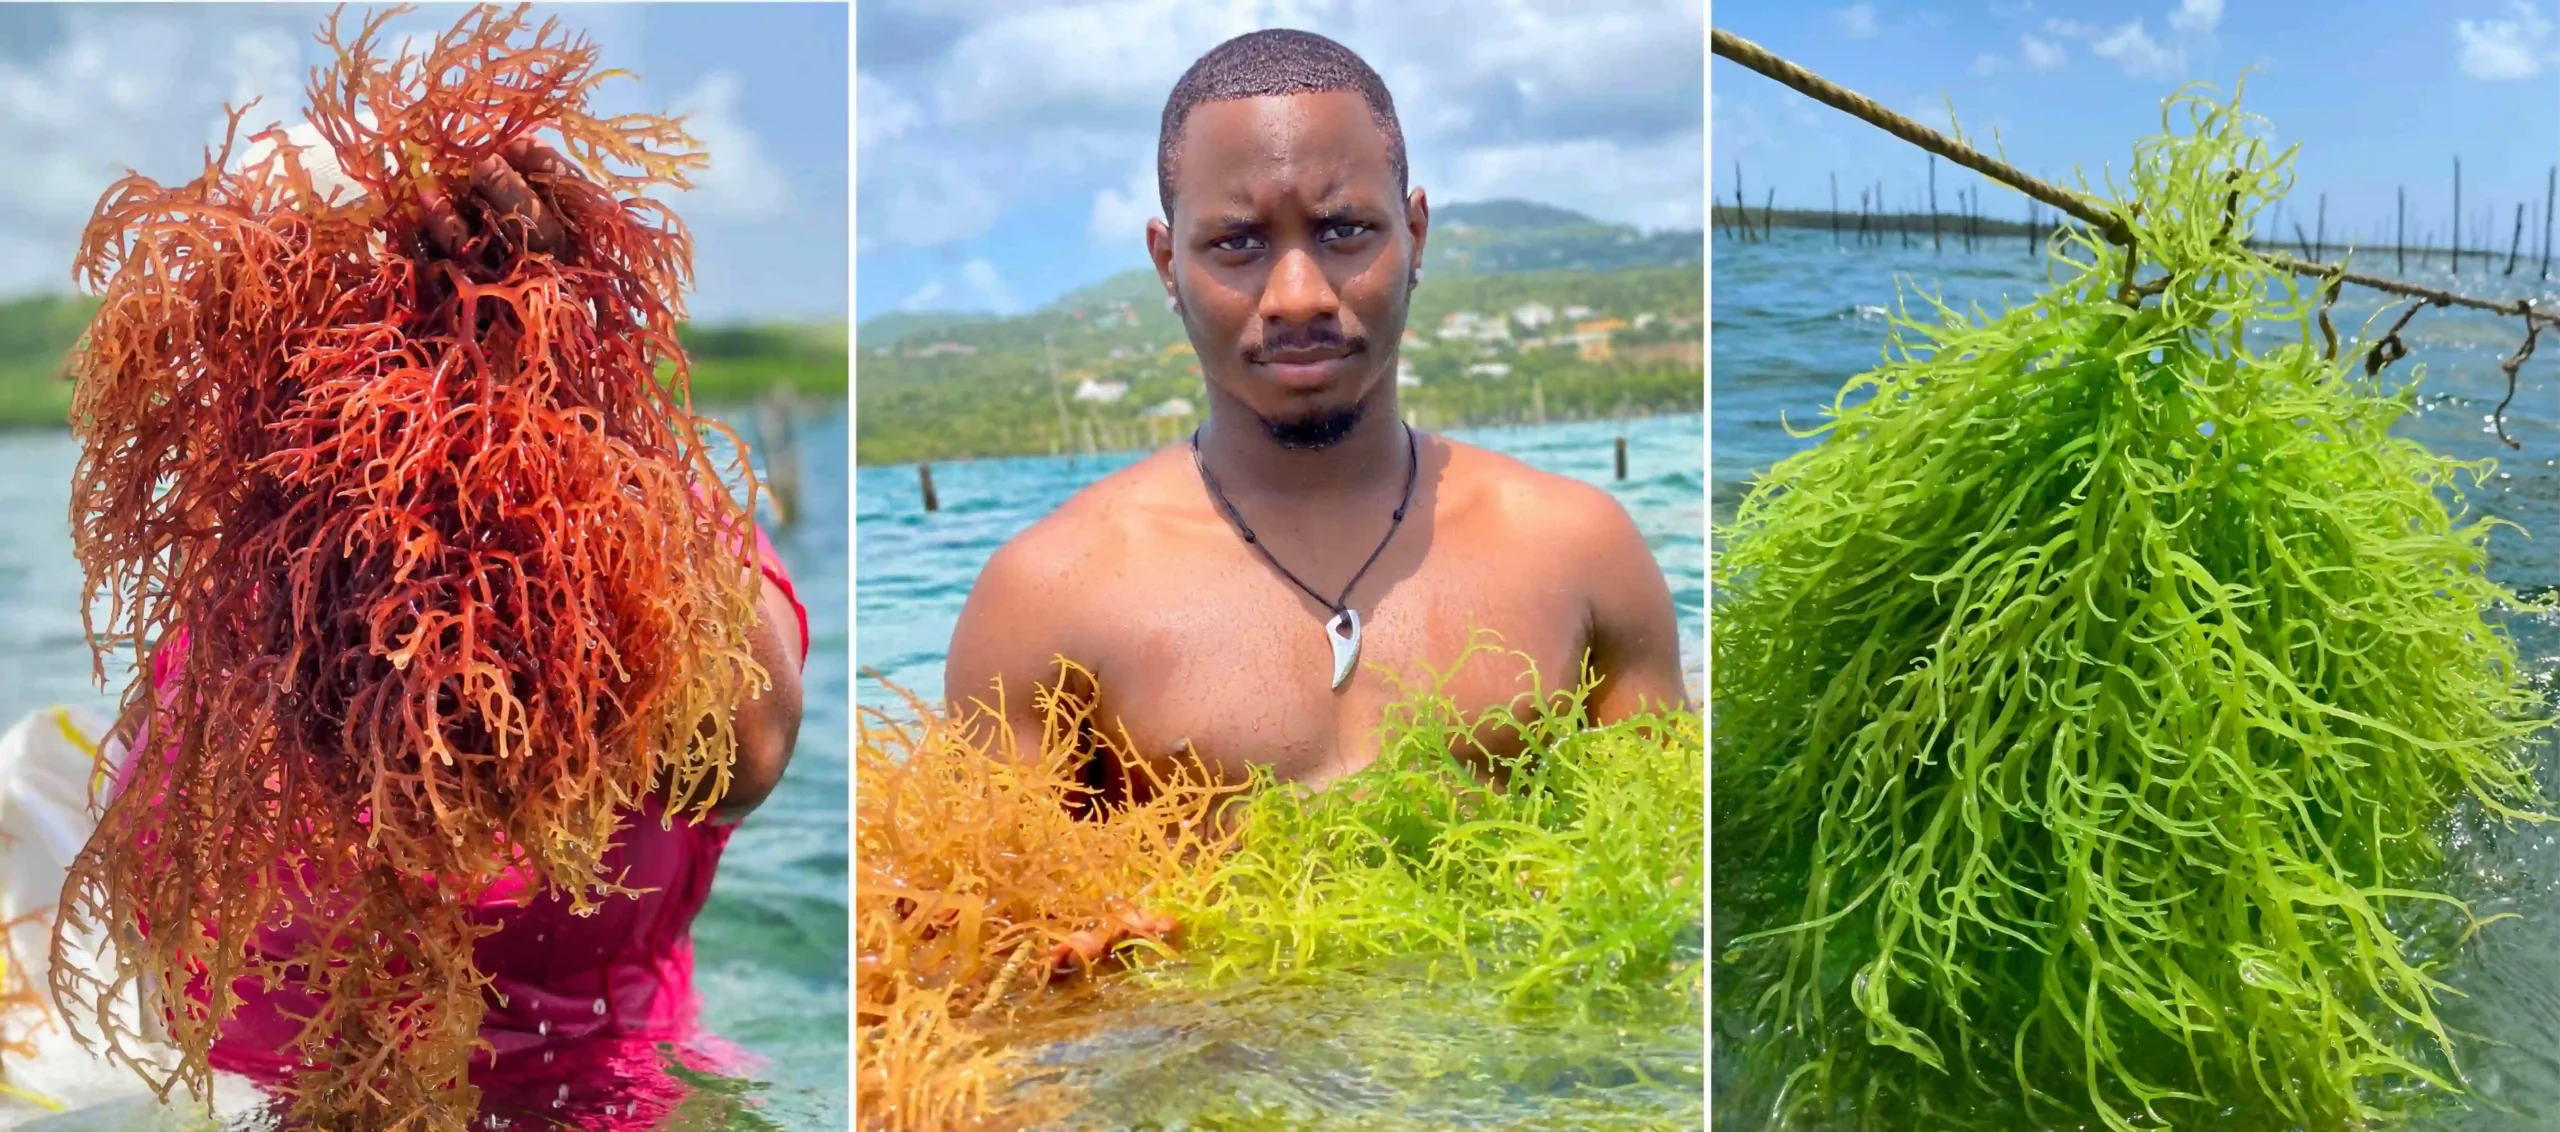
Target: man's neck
(1247, 460)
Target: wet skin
(1292, 256)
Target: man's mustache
(1322, 340)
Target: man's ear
(1160, 250)
(1417, 219)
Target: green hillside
(984, 388)
(945, 386)
(1502, 236)
(731, 364)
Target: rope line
(1867, 110)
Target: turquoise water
(917, 568)
(1794, 318)
(770, 947)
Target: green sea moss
(2090, 699)
(1574, 887)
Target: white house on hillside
(1101, 392)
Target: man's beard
(1322, 430)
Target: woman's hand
(520, 212)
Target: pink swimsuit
(574, 997)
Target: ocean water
(916, 568)
(1386, 1050)
(1794, 318)
(771, 945)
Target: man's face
(1292, 257)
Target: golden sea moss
(437, 574)
(971, 867)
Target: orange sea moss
(972, 870)
(455, 577)
(22, 1004)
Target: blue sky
(1007, 150)
(2378, 93)
(89, 90)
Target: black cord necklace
(1343, 630)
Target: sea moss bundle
(976, 882)
(2091, 699)
(1569, 883)
(1572, 891)
(428, 567)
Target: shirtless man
(1204, 587)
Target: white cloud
(1857, 20)
(1120, 213)
(2141, 56)
(2505, 50)
(2041, 54)
(987, 284)
(921, 298)
(2196, 16)
(741, 181)
(1989, 64)
(1660, 179)
(983, 112)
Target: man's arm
(767, 725)
(1006, 646)
(1635, 629)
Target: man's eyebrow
(1231, 222)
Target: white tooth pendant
(1343, 632)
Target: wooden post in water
(1622, 457)
(2515, 242)
(2457, 217)
(2320, 228)
(1934, 244)
(1835, 210)
(2400, 233)
(924, 479)
(1862, 216)
(1768, 210)
(774, 414)
(1741, 204)
(2550, 187)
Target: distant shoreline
(733, 364)
(1729, 222)
(1424, 425)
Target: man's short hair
(1270, 64)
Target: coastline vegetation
(733, 363)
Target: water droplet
(543, 1028)
(599, 1008)
(564, 1092)
(609, 1110)
(547, 1055)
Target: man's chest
(1235, 664)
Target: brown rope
(1867, 110)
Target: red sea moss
(456, 578)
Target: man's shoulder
(1514, 497)
(1099, 519)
